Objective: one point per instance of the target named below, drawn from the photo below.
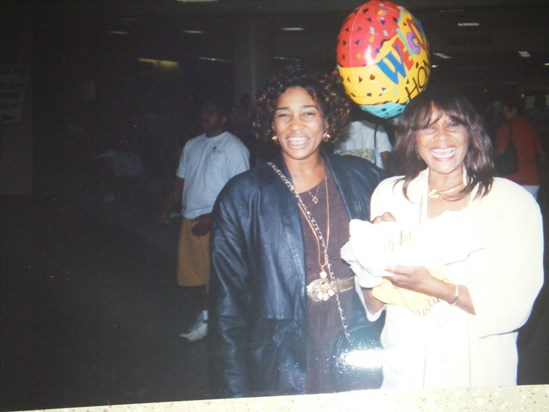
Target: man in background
(207, 162)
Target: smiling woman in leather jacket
(280, 293)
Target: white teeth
(297, 140)
(446, 152)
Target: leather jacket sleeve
(229, 302)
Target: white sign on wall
(14, 80)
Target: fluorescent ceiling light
(434, 66)
(524, 53)
(292, 28)
(442, 55)
(193, 31)
(215, 59)
(197, 1)
(469, 24)
(286, 58)
(118, 32)
(451, 11)
(161, 64)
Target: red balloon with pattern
(382, 57)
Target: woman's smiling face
(299, 124)
(443, 143)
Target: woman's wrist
(453, 301)
(446, 290)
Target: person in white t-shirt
(207, 162)
(368, 140)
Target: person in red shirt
(527, 144)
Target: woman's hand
(385, 217)
(416, 278)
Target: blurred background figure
(539, 116)
(366, 138)
(241, 126)
(122, 171)
(526, 141)
(240, 122)
(207, 162)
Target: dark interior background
(90, 310)
(86, 54)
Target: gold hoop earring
(326, 137)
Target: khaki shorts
(193, 258)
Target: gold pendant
(320, 290)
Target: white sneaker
(200, 332)
(194, 326)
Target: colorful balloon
(382, 57)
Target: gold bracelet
(456, 295)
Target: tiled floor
(90, 312)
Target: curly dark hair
(478, 160)
(325, 89)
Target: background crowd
(137, 263)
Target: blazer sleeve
(508, 276)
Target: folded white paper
(373, 247)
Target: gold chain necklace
(435, 193)
(318, 290)
(314, 197)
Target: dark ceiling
(482, 55)
(484, 60)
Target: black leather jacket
(257, 287)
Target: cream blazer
(494, 246)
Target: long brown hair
(478, 160)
